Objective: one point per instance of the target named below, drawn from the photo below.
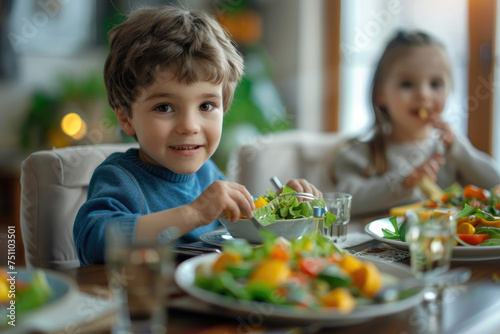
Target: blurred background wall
(52, 54)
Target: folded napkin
(354, 239)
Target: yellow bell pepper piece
(4, 291)
(272, 272)
(465, 228)
(340, 298)
(400, 210)
(368, 279)
(260, 202)
(226, 259)
(486, 223)
(350, 263)
(424, 215)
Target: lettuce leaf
(284, 207)
(474, 211)
(330, 219)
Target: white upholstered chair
(289, 154)
(53, 187)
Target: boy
(170, 76)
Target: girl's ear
(125, 123)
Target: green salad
(281, 207)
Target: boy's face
(178, 126)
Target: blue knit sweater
(123, 188)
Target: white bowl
(289, 229)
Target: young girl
(409, 140)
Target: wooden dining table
(473, 307)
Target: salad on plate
(273, 207)
(310, 272)
(454, 198)
(22, 296)
(283, 214)
(475, 226)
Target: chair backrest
(53, 187)
(287, 155)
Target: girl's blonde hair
(191, 44)
(382, 125)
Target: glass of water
(431, 243)
(340, 205)
(139, 275)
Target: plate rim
(220, 231)
(459, 253)
(362, 313)
(203, 237)
(72, 292)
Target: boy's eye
(206, 106)
(163, 108)
(406, 84)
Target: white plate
(185, 277)
(289, 229)
(460, 253)
(63, 291)
(218, 237)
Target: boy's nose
(188, 123)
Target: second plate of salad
(460, 253)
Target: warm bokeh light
(83, 131)
(73, 125)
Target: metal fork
(300, 195)
(277, 183)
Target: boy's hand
(429, 168)
(447, 135)
(222, 196)
(303, 186)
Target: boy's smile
(178, 126)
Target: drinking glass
(431, 243)
(139, 275)
(340, 205)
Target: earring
(386, 127)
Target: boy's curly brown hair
(190, 44)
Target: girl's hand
(428, 168)
(303, 186)
(222, 196)
(447, 135)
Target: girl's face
(178, 126)
(417, 79)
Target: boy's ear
(125, 123)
